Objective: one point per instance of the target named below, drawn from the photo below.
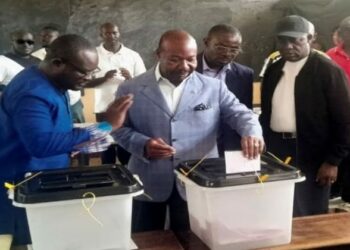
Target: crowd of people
(190, 104)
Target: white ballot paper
(237, 163)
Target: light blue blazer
(192, 130)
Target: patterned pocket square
(201, 107)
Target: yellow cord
(194, 167)
(12, 186)
(287, 160)
(88, 208)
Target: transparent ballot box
(79, 208)
(240, 211)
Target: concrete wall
(142, 21)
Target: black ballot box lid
(211, 172)
(73, 183)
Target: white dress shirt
(124, 58)
(221, 74)
(171, 93)
(283, 101)
(8, 69)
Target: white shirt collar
(207, 68)
(294, 68)
(103, 50)
(159, 76)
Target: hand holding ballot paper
(247, 160)
(99, 141)
(237, 163)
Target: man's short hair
(68, 46)
(107, 24)
(344, 25)
(293, 26)
(17, 33)
(224, 28)
(51, 27)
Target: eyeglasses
(81, 71)
(21, 41)
(221, 48)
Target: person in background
(116, 64)
(11, 63)
(305, 104)
(175, 117)
(221, 47)
(36, 130)
(47, 35)
(340, 54)
(336, 39)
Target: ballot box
(79, 208)
(240, 211)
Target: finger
(159, 154)
(251, 148)
(161, 141)
(161, 147)
(122, 104)
(244, 146)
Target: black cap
(293, 26)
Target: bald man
(175, 117)
(36, 129)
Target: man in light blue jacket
(175, 117)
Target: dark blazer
(239, 80)
(322, 104)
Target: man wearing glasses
(36, 131)
(221, 47)
(20, 57)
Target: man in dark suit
(222, 45)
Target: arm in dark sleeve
(34, 124)
(338, 97)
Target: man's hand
(110, 74)
(125, 73)
(327, 174)
(117, 110)
(252, 146)
(156, 148)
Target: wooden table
(329, 231)
(157, 240)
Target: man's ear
(310, 38)
(158, 51)
(206, 41)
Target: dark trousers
(109, 156)
(309, 197)
(78, 117)
(149, 216)
(342, 186)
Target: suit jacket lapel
(200, 63)
(190, 93)
(152, 91)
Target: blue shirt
(36, 130)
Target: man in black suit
(222, 46)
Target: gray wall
(142, 21)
